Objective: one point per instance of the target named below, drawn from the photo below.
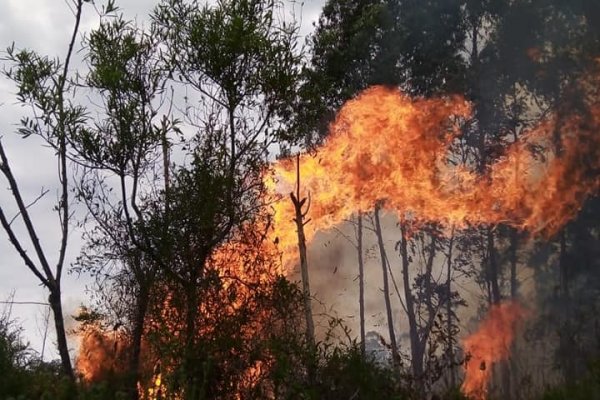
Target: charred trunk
(509, 366)
(310, 326)
(514, 244)
(566, 341)
(300, 222)
(492, 267)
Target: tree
(301, 211)
(44, 85)
(385, 266)
(415, 45)
(116, 155)
(527, 61)
(163, 240)
(240, 62)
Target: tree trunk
(509, 369)
(386, 287)
(61, 337)
(310, 326)
(361, 285)
(136, 340)
(492, 267)
(191, 360)
(494, 298)
(428, 281)
(566, 343)
(450, 344)
(474, 42)
(514, 244)
(416, 350)
(562, 260)
(299, 220)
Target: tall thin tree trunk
(510, 366)
(415, 342)
(136, 339)
(386, 286)
(474, 42)
(361, 285)
(450, 348)
(562, 259)
(492, 267)
(514, 244)
(428, 279)
(166, 162)
(191, 360)
(567, 359)
(494, 297)
(310, 325)
(61, 337)
(299, 219)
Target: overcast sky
(45, 26)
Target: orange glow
(490, 344)
(101, 354)
(385, 146)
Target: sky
(45, 26)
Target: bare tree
(300, 221)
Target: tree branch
(63, 176)
(44, 192)
(5, 169)
(17, 245)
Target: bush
(13, 358)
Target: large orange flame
(385, 146)
(101, 353)
(490, 344)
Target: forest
(402, 204)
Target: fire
(382, 146)
(385, 146)
(101, 354)
(490, 344)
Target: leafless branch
(5, 169)
(25, 303)
(42, 194)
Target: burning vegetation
(490, 344)
(433, 177)
(386, 148)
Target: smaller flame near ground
(102, 353)
(489, 345)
